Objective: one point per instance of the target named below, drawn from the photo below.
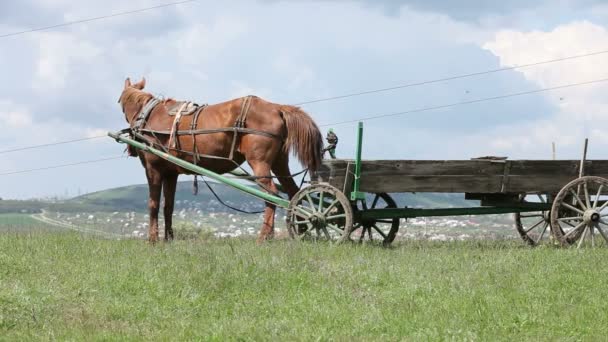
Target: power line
(60, 166)
(51, 144)
(424, 109)
(95, 18)
(450, 78)
(364, 92)
(365, 118)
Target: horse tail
(304, 138)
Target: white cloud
(580, 111)
(13, 116)
(58, 54)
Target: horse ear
(141, 84)
(127, 83)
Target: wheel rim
(578, 212)
(320, 212)
(533, 227)
(384, 230)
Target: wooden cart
(540, 194)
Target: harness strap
(195, 155)
(219, 130)
(143, 115)
(240, 123)
(173, 141)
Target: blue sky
(63, 83)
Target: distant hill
(135, 198)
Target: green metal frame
(356, 194)
(281, 202)
(391, 213)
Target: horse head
(133, 98)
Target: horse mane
(135, 96)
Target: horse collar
(142, 117)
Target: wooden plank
(561, 167)
(472, 167)
(538, 183)
(473, 176)
(424, 167)
(349, 177)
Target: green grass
(67, 286)
(22, 223)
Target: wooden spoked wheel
(320, 212)
(533, 227)
(578, 212)
(384, 230)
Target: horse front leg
(267, 231)
(154, 189)
(169, 186)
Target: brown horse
(287, 128)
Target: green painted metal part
(356, 194)
(390, 213)
(281, 202)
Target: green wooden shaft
(202, 171)
(356, 194)
(390, 213)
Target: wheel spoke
(599, 229)
(542, 233)
(331, 205)
(334, 227)
(575, 229)
(582, 238)
(541, 198)
(321, 201)
(311, 203)
(302, 212)
(586, 193)
(302, 222)
(375, 201)
(335, 216)
(597, 197)
(578, 199)
(379, 231)
(603, 206)
(573, 208)
(574, 218)
(534, 226)
(327, 236)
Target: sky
(63, 83)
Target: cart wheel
(384, 230)
(320, 212)
(578, 209)
(533, 227)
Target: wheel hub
(318, 220)
(591, 216)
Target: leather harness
(138, 127)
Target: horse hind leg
(281, 170)
(169, 187)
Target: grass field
(23, 223)
(69, 286)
